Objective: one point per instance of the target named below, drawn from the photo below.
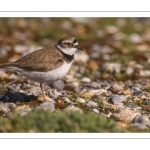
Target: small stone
(95, 110)
(140, 126)
(136, 91)
(18, 108)
(24, 111)
(147, 72)
(116, 99)
(111, 67)
(81, 100)
(111, 29)
(142, 119)
(95, 85)
(99, 92)
(13, 76)
(48, 105)
(20, 48)
(73, 109)
(125, 115)
(127, 92)
(11, 106)
(15, 87)
(66, 100)
(81, 57)
(129, 70)
(116, 88)
(3, 75)
(146, 108)
(92, 65)
(85, 80)
(4, 110)
(131, 104)
(135, 38)
(59, 85)
(92, 103)
(53, 93)
(69, 78)
(87, 94)
(3, 52)
(34, 90)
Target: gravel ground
(111, 77)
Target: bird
(47, 64)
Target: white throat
(68, 51)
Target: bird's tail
(5, 65)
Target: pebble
(125, 115)
(48, 105)
(3, 75)
(131, 104)
(143, 119)
(53, 93)
(73, 109)
(24, 111)
(85, 80)
(87, 94)
(116, 99)
(20, 48)
(3, 52)
(80, 100)
(111, 29)
(94, 55)
(4, 110)
(147, 72)
(69, 78)
(95, 85)
(81, 57)
(11, 106)
(35, 90)
(136, 91)
(59, 85)
(111, 67)
(95, 110)
(67, 100)
(135, 38)
(92, 103)
(18, 108)
(116, 88)
(14, 87)
(99, 91)
(129, 70)
(13, 76)
(140, 126)
(96, 47)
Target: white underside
(53, 75)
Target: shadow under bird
(48, 64)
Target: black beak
(79, 48)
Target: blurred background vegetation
(121, 40)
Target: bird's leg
(42, 88)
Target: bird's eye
(69, 44)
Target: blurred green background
(119, 40)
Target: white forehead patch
(67, 41)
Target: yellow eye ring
(69, 44)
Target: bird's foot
(41, 98)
